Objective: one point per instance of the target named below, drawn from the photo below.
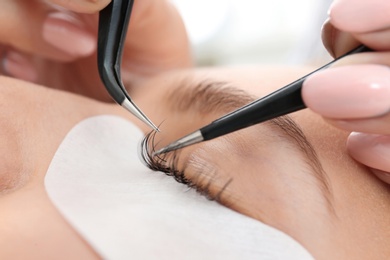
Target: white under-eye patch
(126, 211)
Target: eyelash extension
(167, 163)
(160, 162)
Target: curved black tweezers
(113, 24)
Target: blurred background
(227, 32)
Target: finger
(336, 42)
(377, 40)
(18, 65)
(157, 40)
(366, 21)
(81, 6)
(371, 150)
(22, 29)
(360, 16)
(358, 78)
(349, 92)
(375, 125)
(69, 33)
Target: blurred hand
(53, 42)
(355, 93)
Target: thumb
(81, 6)
(335, 41)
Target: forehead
(256, 80)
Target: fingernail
(67, 34)
(350, 92)
(348, 15)
(370, 149)
(18, 66)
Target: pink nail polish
(68, 35)
(18, 66)
(350, 92)
(348, 15)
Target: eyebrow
(206, 96)
(218, 96)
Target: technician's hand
(355, 94)
(53, 42)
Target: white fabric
(126, 211)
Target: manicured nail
(348, 15)
(67, 34)
(371, 150)
(350, 92)
(18, 66)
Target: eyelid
(219, 97)
(205, 174)
(246, 145)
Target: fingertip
(337, 93)
(370, 149)
(337, 42)
(17, 65)
(68, 35)
(347, 15)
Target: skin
(369, 142)
(272, 184)
(265, 175)
(38, 54)
(357, 227)
(47, 64)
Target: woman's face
(292, 172)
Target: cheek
(11, 157)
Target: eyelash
(160, 163)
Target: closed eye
(218, 98)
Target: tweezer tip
(169, 148)
(147, 121)
(193, 138)
(132, 108)
(159, 152)
(153, 126)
